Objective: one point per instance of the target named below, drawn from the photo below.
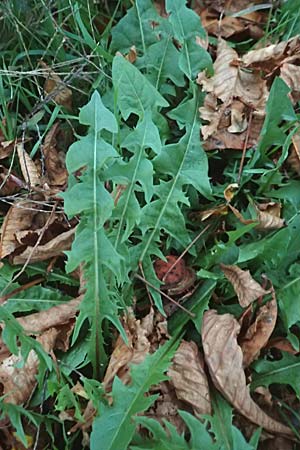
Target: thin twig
(139, 277)
(4, 298)
(147, 287)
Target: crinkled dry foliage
(150, 235)
(224, 358)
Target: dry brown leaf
(246, 288)
(55, 87)
(37, 323)
(221, 25)
(218, 137)
(140, 335)
(29, 170)
(270, 57)
(290, 74)
(54, 247)
(220, 210)
(131, 55)
(294, 156)
(6, 148)
(282, 344)
(239, 216)
(54, 162)
(268, 215)
(143, 337)
(224, 358)
(239, 121)
(9, 182)
(19, 383)
(18, 218)
(211, 113)
(53, 317)
(259, 332)
(189, 378)
(230, 81)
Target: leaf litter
(157, 249)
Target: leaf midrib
(142, 389)
(176, 178)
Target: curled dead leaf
(239, 122)
(246, 288)
(220, 210)
(30, 171)
(131, 55)
(40, 322)
(239, 216)
(282, 344)
(6, 148)
(259, 332)
(224, 358)
(270, 57)
(189, 378)
(268, 215)
(52, 248)
(217, 136)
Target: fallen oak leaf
(246, 288)
(259, 332)
(189, 379)
(224, 358)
